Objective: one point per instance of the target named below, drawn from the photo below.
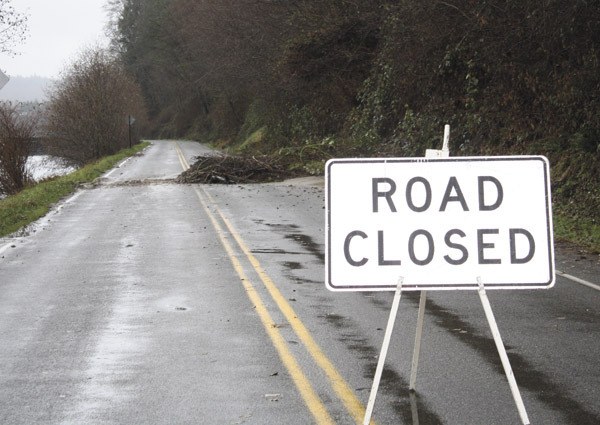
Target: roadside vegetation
(89, 108)
(86, 123)
(310, 80)
(30, 204)
(95, 111)
(16, 137)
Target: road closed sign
(438, 223)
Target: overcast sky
(58, 31)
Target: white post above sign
(438, 223)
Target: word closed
(441, 223)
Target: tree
(13, 27)
(88, 111)
(16, 135)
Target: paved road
(140, 300)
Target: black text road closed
(441, 223)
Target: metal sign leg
(417, 348)
(414, 408)
(502, 352)
(383, 353)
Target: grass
(25, 207)
(582, 232)
(252, 140)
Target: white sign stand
(384, 349)
(502, 351)
(430, 153)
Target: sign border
(436, 286)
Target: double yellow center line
(310, 397)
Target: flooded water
(45, 166)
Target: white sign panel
(3, 79)
(438, 223)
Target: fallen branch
(227, 169)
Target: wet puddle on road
(537, 382)
(411, 411)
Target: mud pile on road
(229, 169)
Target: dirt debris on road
(230, 169)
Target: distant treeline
(320, 78)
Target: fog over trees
(26, 89)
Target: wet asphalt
(122, 306)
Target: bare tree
(13, 27)
(89, 109)
(16, 135)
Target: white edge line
(42, 221)
(5, 247)
(117, 167)
(578, 280)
